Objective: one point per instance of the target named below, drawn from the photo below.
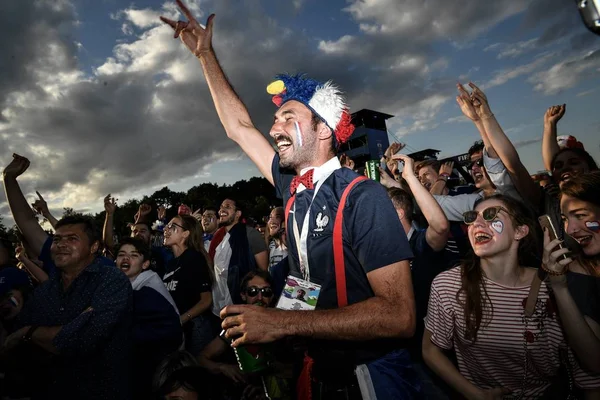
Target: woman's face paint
(14, 301)
(298, 134)
(498, 226)
(593, 226)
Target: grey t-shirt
(256, 241)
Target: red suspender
(338, 246)
(288, 207)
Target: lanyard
(301, 235)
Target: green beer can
(372, 168)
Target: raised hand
(393, 149)
(385, 179)
(198, 215)
(21, 254)
(144, 211)
(162, 212)
(409, 165)
(17, 167)
(40, 206)
(110, 204)
(480, 102)
(197, 38)
(446, 168)
(392, 166)
(347, 162)
(554, 114)
(464, 102)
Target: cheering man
(365, 304)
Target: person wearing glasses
(189, 281)
(218, 357)
(479, 309)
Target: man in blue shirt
(39, 242)
(312, 120)
(82, 316)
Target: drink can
(372, 168)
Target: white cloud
(142, 18)
(341, 46)
(431, 19)
(503, 76)
(513, 50)
(566, 74)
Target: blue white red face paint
(298, 134)
(14, 301)
(593, 226)
(498, 226)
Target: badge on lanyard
(299, 294)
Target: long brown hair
(473, 295)
(585, 187)
(194, 239)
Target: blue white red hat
(324, 99)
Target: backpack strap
(338, 246)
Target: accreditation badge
(299, 294)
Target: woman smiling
(478, 308)
(576, 280)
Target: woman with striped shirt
(478, 309)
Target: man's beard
(227, 222)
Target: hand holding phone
(556, 256)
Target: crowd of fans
(409, 287)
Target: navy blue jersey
(372, 234)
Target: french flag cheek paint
(298, 134)
(593, 226)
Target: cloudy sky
(102, 100)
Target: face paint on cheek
(593, 226)
(14, 301)
(298, 134)
(498, 226)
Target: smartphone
(546, 223)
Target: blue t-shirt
(373, 238)
(49, 266)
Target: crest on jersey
(321, 222)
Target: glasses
(479, 163)
(253, 291)
(171, 226)
(489, 214)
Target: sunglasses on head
(479, 163)
(253, 291)
(489, 214)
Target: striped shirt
(497, 358)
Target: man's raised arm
(20, 208)
(232, 112)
